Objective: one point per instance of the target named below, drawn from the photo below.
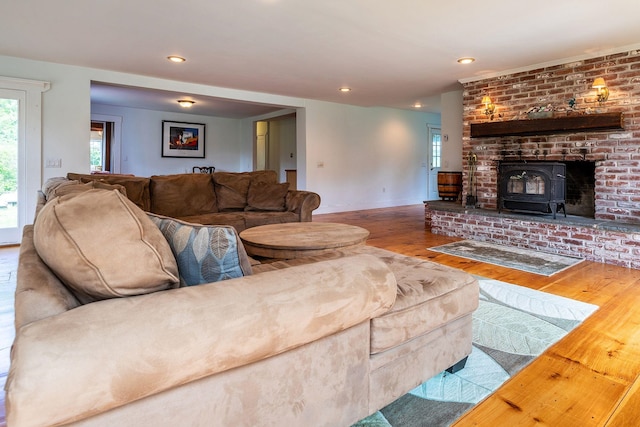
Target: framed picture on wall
(181, 139)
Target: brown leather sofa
(240, 199)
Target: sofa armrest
(302, 203)
(39, 293)
(106, 354)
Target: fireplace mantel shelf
(548, 126)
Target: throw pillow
(182, 195)
(267, 197)
(50, 187)
(101, 245)
(137, 187)
(76, 187)
(205, 253)
(231, 190)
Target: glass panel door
(435, 156)
(11, 153)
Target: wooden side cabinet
(292, 178)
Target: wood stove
(532, 187)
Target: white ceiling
(162, 100)
(391, 53)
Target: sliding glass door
(11, 156)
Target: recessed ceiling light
(417, 105)
(466, 60)
(186, 103)
(345, 89)
(176, 59)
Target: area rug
(512, 326)
(528, 260)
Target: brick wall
(616, 153)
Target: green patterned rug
(512, 326)
(528, 260)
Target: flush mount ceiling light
(176, 59)
(466, 60)
(186, 103)
(417, 105)
(345, 89)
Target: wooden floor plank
(549, 392)
(627, 413)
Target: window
(436, 149)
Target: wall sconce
(489, 107)
(603, 92)
(186, 103)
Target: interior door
(12, 153)
(435, 156)
(261, 148)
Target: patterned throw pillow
(204, 253)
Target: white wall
(360, 158)
(372, 156)
(288, 157)
(142, 141)
(452, 113)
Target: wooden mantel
(547, 126)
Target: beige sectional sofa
(106, 335)
(239, 199)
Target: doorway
(434, 151)
(275, 146)
(262, 146)
(100, 146)
(105, 143)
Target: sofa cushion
(53, 184)
(182, 194)
(234, 219)
(257, 218)
(101, 245)
(267, 176)
(204, 253)
(137, 187)
(263, 196)
(430, 295)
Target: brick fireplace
(615, 154)
(603, 165)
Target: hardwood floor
(590, 378)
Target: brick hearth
(600, 241)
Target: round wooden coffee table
(300, 239)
